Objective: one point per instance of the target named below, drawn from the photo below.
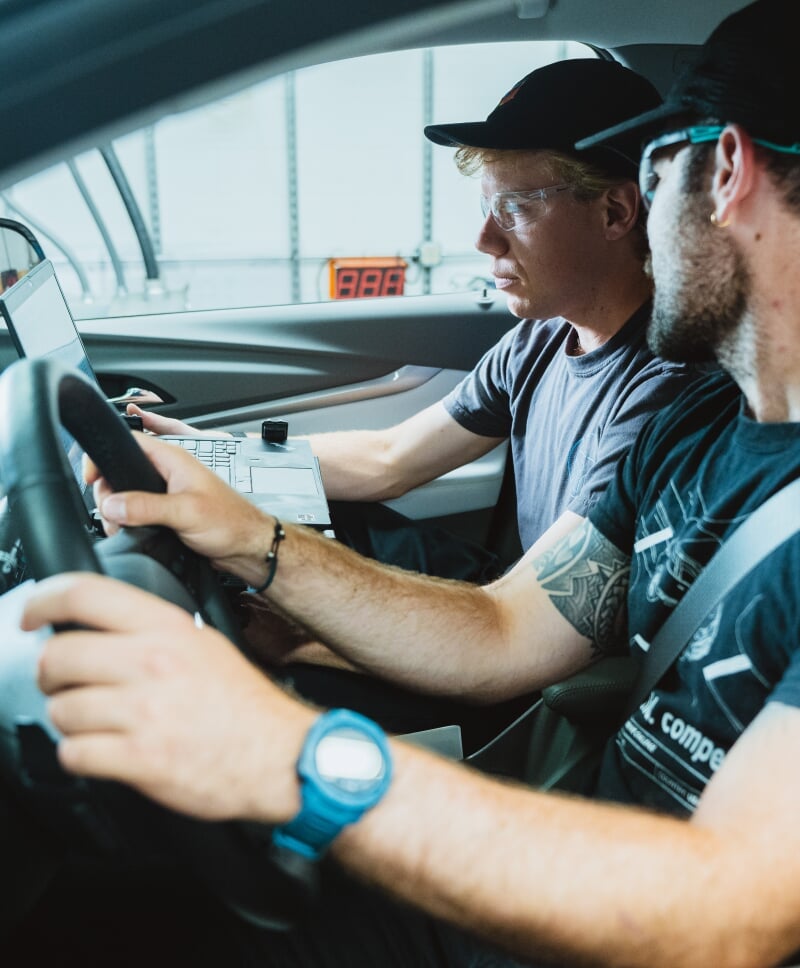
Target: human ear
(621, 209)
(733, 174)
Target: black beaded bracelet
(271, 559)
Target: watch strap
(315, 827)
(324, 812)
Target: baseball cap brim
(477, 134)
(644, 123)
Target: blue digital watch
(345, 768)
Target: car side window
(308, 186)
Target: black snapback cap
(747, 72)
(554, 106)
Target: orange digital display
(369, 276)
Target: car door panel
(212, 361)
(256, 374)
(329, 366)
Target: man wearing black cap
(570, 385)
(698, 861)
(574, 381)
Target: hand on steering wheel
(237, 861)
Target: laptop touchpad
(283, 480)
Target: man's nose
(491, 240)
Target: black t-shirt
(696, 472)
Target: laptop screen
(40, 324)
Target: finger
(177, 466)
(95, 709)
(100, 491)
(117, 757)
(132, 508)
(99, 602)
(103, 755)
(157, 424)
(89, 469)
(208, 515)
(152, 423)
(69, 660)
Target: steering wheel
(237, 861)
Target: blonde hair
(586, 180)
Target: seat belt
(768, 527)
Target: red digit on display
(347, 283)
(393, 282)
(370, 284)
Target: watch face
(350, 761)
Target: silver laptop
(283, 478)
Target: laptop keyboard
(216, 454)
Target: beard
(701, 292)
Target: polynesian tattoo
(587, 579)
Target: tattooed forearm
(587, 580)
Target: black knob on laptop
(274, 431)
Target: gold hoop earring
(715, 221)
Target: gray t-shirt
(570, 418)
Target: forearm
(439, 636)
(273, 641)
(484, 643)
(376, 465)
(433, 635)
(357, 466)
(545, 875)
